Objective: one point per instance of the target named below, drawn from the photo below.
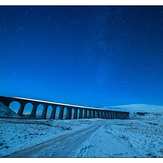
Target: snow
(125, 138)
(139, 108)
(139, 136)
(19, 134)
(104, 143)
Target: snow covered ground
(140, 136)
(125, 139)
(17, 135)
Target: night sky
(95, 56)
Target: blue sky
(94, 56)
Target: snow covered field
(17, 135)
(140, 136)
(125, 139)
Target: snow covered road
(61, 146)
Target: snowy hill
(6, 112)
(144, 111)
(139, 108)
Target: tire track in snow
(122, 138)
(106, 143)
(61, 146)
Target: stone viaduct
(65, 111)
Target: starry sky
(94, 56)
